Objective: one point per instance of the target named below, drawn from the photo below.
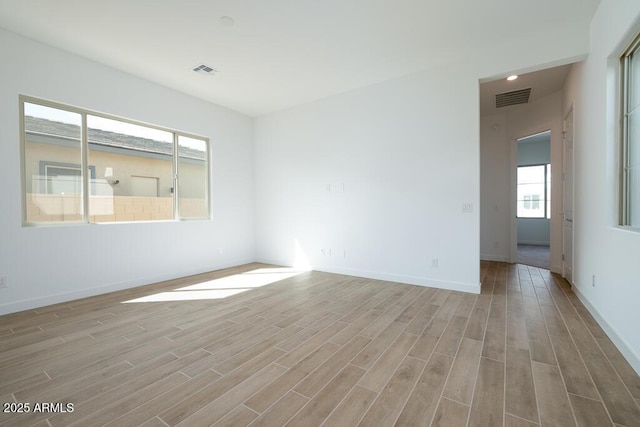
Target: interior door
(567, 198)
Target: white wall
(534, 231)
(406, 176)
(602, 249)
(51, 264)
(495, 188)
(498, 168)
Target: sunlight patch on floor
(223, 287)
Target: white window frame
(545, 197)
(87, 171)
(626, 142)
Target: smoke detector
(204, 70)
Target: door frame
(513, 226)
(570, 112)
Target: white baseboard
(391, 277)
(498, 258)
(612, 333)
(534, 242)
(33, 303)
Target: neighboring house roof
(36, 125)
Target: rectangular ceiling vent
(204, 70)
(513, 98)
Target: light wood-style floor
(321, 349)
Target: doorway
(533, 199)
(500, 128)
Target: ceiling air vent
(513, 98)
(204, 70)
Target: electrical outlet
(593, 280)
(434, 263)
(495, 245)
(4, 282)
(220, 251)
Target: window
(534, 191)
(630, 197)
(82, 166)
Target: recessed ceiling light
(227, 21)
(512, 78)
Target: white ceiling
(281, 53)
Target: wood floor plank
(392, 398)
(352, 408)
(56, 388)
(450, 414)
(555, 324)
(36, 380)
(354, 329)
(517, 331)
(378, 375)
(412, 311)
(260, 401)
(615, 395)
(218, 408)
(576, 377)
(316, 380)
(449, 306)
(132, 401)
(307, 332)
(487, 408)
(539, 342)
(494, 339)
(448, 344)
(381, 323)
(117, 394)
(228, 365)
(477, 323)
(466, 305)
(79, 395)
(496, 328)
(282, 411)
(423, 318)
(427, 341)
(312, 344)
(423, 401)
(177, 412)
(513, 421)
(589, 412)
(520, 395)
(149, 409)
(240, 416)
(462, 379)
(619, 363)
(367, 357)
(553, 401)
(318, 409)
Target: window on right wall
(630, 173)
